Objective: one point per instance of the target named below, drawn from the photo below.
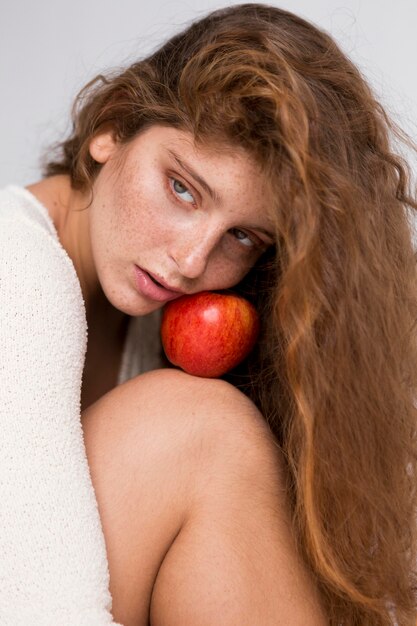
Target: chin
(137, 305)
(122, 293)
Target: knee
(206, 406)
(224, 452)
(214, 423)
(190, 438)
(193, 429)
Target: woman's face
(196, 219)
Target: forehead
(210, 149)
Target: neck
(68, 209)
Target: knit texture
(53, 563)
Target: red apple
(208, 333)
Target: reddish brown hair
(336, 368)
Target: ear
(103, 146)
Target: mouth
(161, 283)
(153, 288)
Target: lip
(146, 286)
(163, 283)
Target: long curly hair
(335, 370)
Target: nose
(191, 252)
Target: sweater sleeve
(53, 564)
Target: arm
(53, 566)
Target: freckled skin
(138, 215)
(207, 334)
(135, 217)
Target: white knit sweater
(53, 563)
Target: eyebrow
(212, 193)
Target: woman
(246, 152)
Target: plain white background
(50, 48)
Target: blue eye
(180, 189)
(243, 238)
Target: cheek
(223, 274)
(145, 207)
